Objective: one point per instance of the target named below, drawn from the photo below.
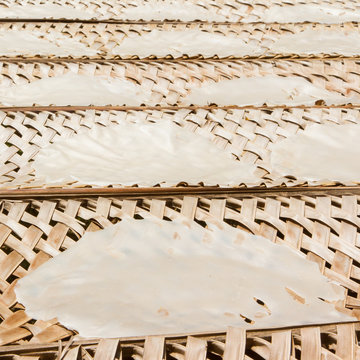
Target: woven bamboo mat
(168, 83)
(247, 133)
(309, 343)
(225, 10)
(106, 38)
(325, 228)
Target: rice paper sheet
(74, 89)
(322, 152)
(142, 154)
(45, 10)
(312, 12)
(151, 276)
(30, 43)
(186, 42)
(314, 41)
(83, 90)
(170, 10)
(270, 90)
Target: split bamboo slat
(226, 10)
(106, 38)
(248, 133)
(168, 83)
(335, 342)
(325, 228)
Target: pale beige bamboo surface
(325, 228)
(246, 132)
(230, 10)
(105, 38)
(336, 341)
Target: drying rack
(38, 221)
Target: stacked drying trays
(221, 120)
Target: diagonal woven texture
(225, 10)
(246, 133)
(311, 343)
(325, 228)
(168, 83)
(106, 38)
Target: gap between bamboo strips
(136, 192)
(165, 108)
(118, 59)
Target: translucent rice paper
(74, 89)
(320, 13)
(313, 41)
(45, 10)
(320, 152)
(21, 42)
(186, 42)
(195, 42)
(148, 277)
(192, 42)
(170, 10)
(270, 90)
(143, 154)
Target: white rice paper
(74, 89)
(148, 277)
(270, 90)
(82, 90)
(45, 11)
(170, 10)
(143, 154)
(312, 12)
(314, 41)
(186, 42)
(31, 43)
(177, 43)
(326, 152)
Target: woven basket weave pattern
(246, 133)
(312, 343)
(231, 10)
(168, 83)
(106, 37)
(326, 229)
